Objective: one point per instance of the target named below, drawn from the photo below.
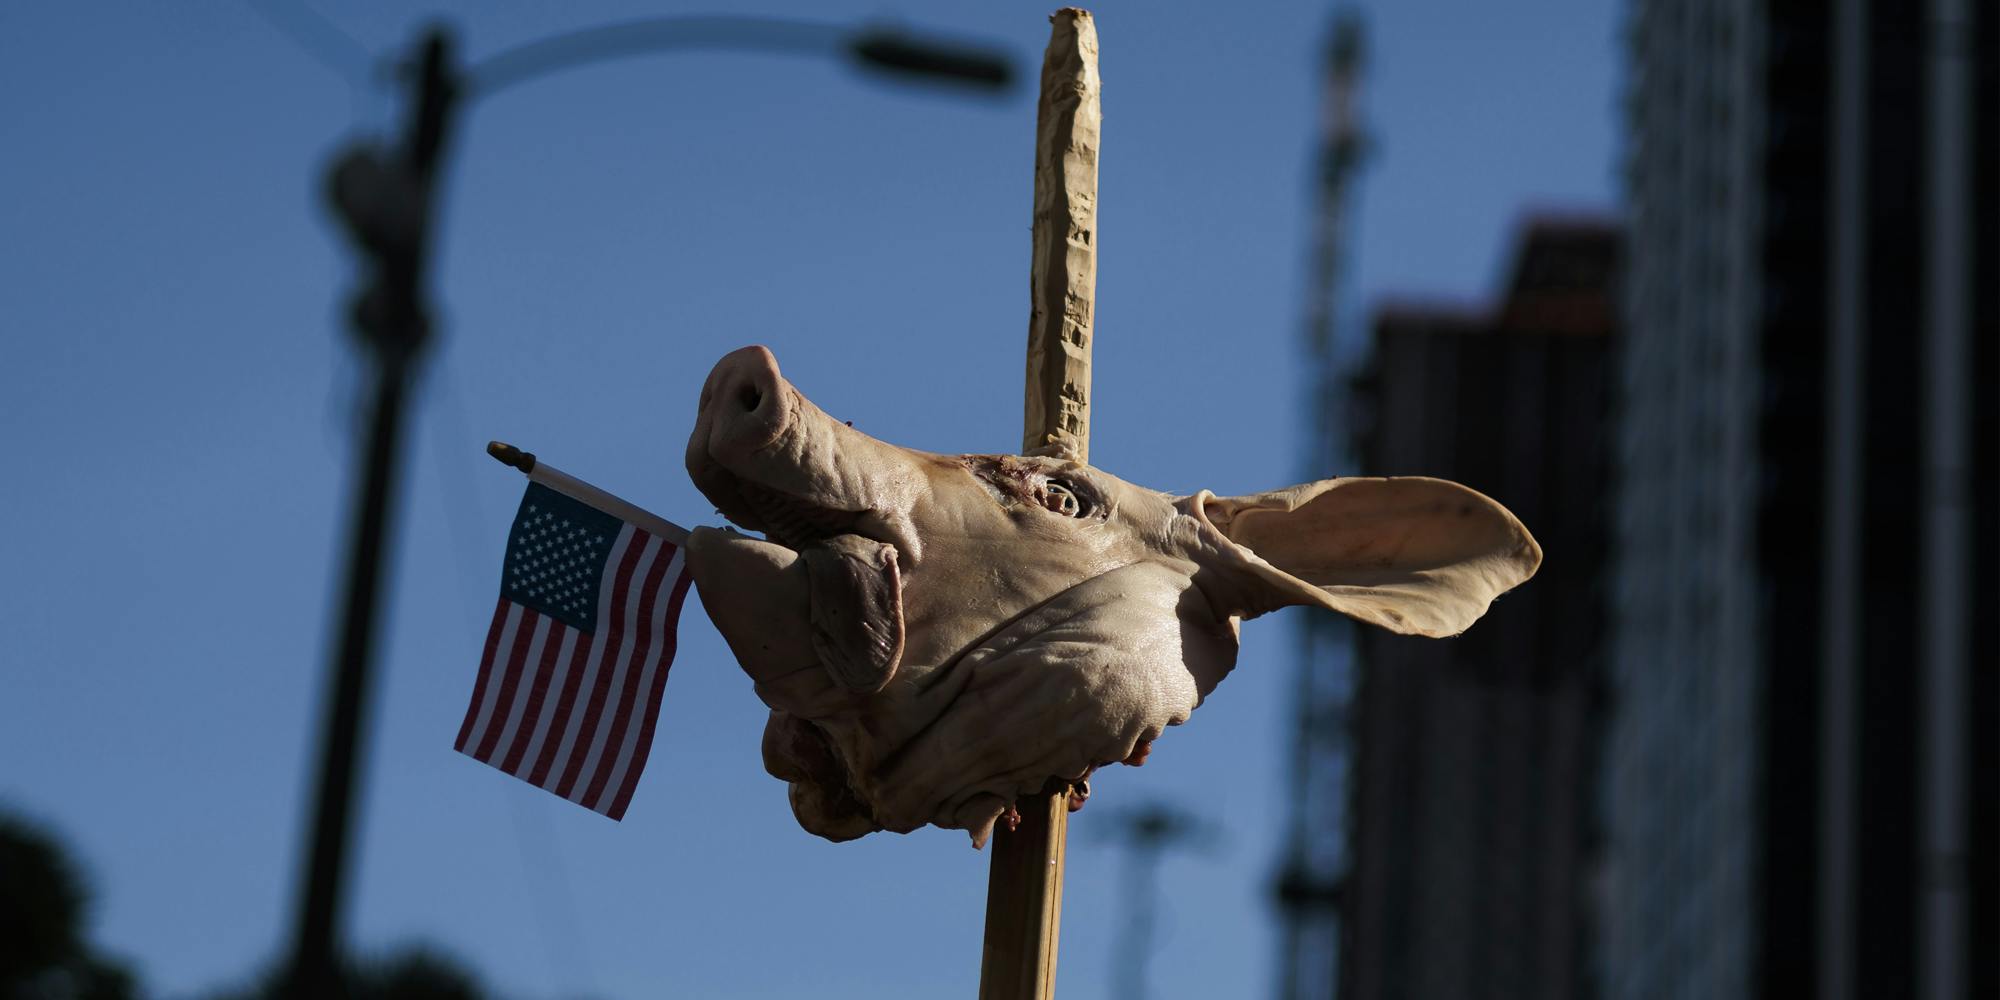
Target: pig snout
(745, 407)
(773, 462)
(746, 412)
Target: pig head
(937, 635)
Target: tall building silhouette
(1471, 822)
(1800, 773)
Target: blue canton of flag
(556, 554)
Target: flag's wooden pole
(1024, 888)
(564, 483)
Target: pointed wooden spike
(1063, 278)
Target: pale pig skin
(937, 635)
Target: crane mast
(1308, 884)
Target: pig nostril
(749, 398)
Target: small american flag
(577, 657)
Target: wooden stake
(1024, 887)
(1063, 281)
(1024, 900)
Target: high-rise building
(1471, 822)
(1800, 781)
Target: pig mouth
(792, 521)
(787, 519)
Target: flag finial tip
(507, 454)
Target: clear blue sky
(178, 398)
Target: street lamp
(384, 195)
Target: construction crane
(1308, 883)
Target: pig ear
(857, 610)
(1413, 555)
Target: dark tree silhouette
(410, 973)
(45, 954)
(416, 975)
(43, 906)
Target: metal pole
(386, 202)
(1942, 890)
(314, 957)
(1149, 831)
(1142, 900)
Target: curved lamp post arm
(886, 50)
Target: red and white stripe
(573, 712)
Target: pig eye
(1060, 496)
